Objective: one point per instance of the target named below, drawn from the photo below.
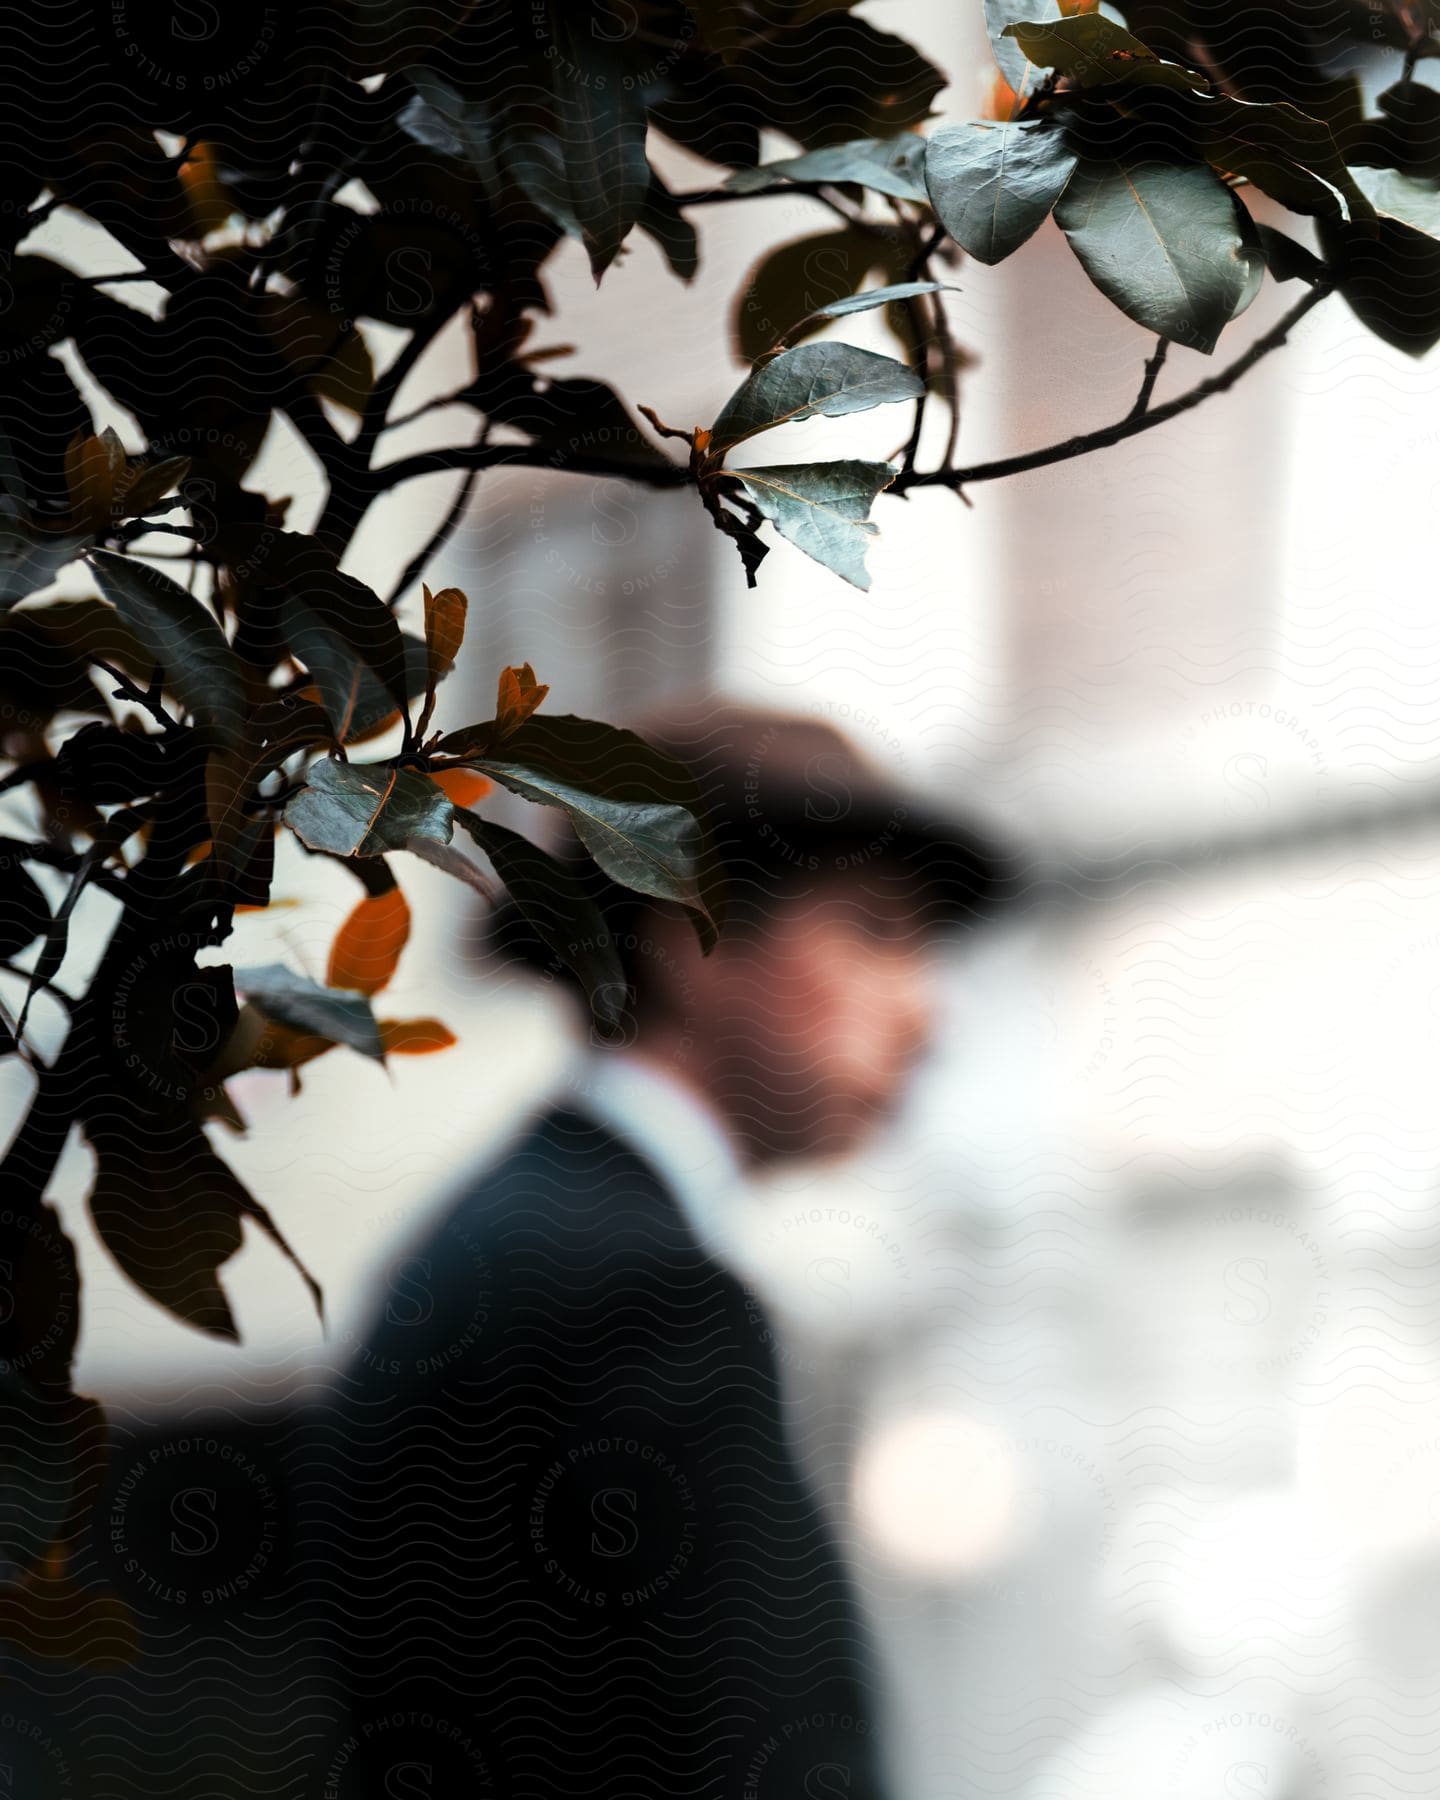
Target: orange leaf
(368, 946)
(92, 466)
(463, 786)
(414, 1037)
(444, 629)
(210, 205)
(517, 698)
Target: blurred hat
(792, 799)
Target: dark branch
(1152, 375)
(1133, 424)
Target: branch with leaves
(189, 678)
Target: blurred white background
(1118, 1359)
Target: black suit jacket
(572, 1552)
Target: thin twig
(441, 536)
(1152, 374)
(1132, 425)
(127, 690)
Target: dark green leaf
(1396, 196)
(652, 848)
(607, 760)
(336, 625)
(31, 555)
(374, 703)
(364, 809)
(784, 291)
(185, 641)
(992, 186)
(1391, 270)
(1285, 152)
(536, 164)
(678, 239)
(823, 509)
(1090, 50)
(289, 999)
(562, 915)
(1022, 75)
(601, 121)
(1287, 260)
(893, 166)
(1162, 241)
(882, 296)
(815, 379)
(170, 1212)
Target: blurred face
(812, 1025)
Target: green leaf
(601, 121)
(563, 916)
(31, 554)
(334, 1013)
(1021, 74)
(593, 758)
(893, 166)
(1284, 152)
(992, 186)
(882, 296)
(536, 164)
(784, 291)
(335, 624)
(1089, 50)
(1391, 270)
(651, 847)
(815, 379)
(661, 219)
(189, 646)
(1162, 241)
(1396, 196)
(364, 809)
(823, 509)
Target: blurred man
(579, 1558)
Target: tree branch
(1133, 423)
(528, 456)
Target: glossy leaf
(364, 809)
(559, 911)
(882, 296)
(1280, 149)
(303, 1006)
(993, 186)
(185, 641)
(336, 625)
(814, 379)
(893, 166)
(654, 849)
(1089, 49)
(1396, 196)
(1162, 241)
(1020, 73)
(823, 509)
(367, 947)
(600, 118)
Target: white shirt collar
(673, 1130)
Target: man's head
(800, 1027)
